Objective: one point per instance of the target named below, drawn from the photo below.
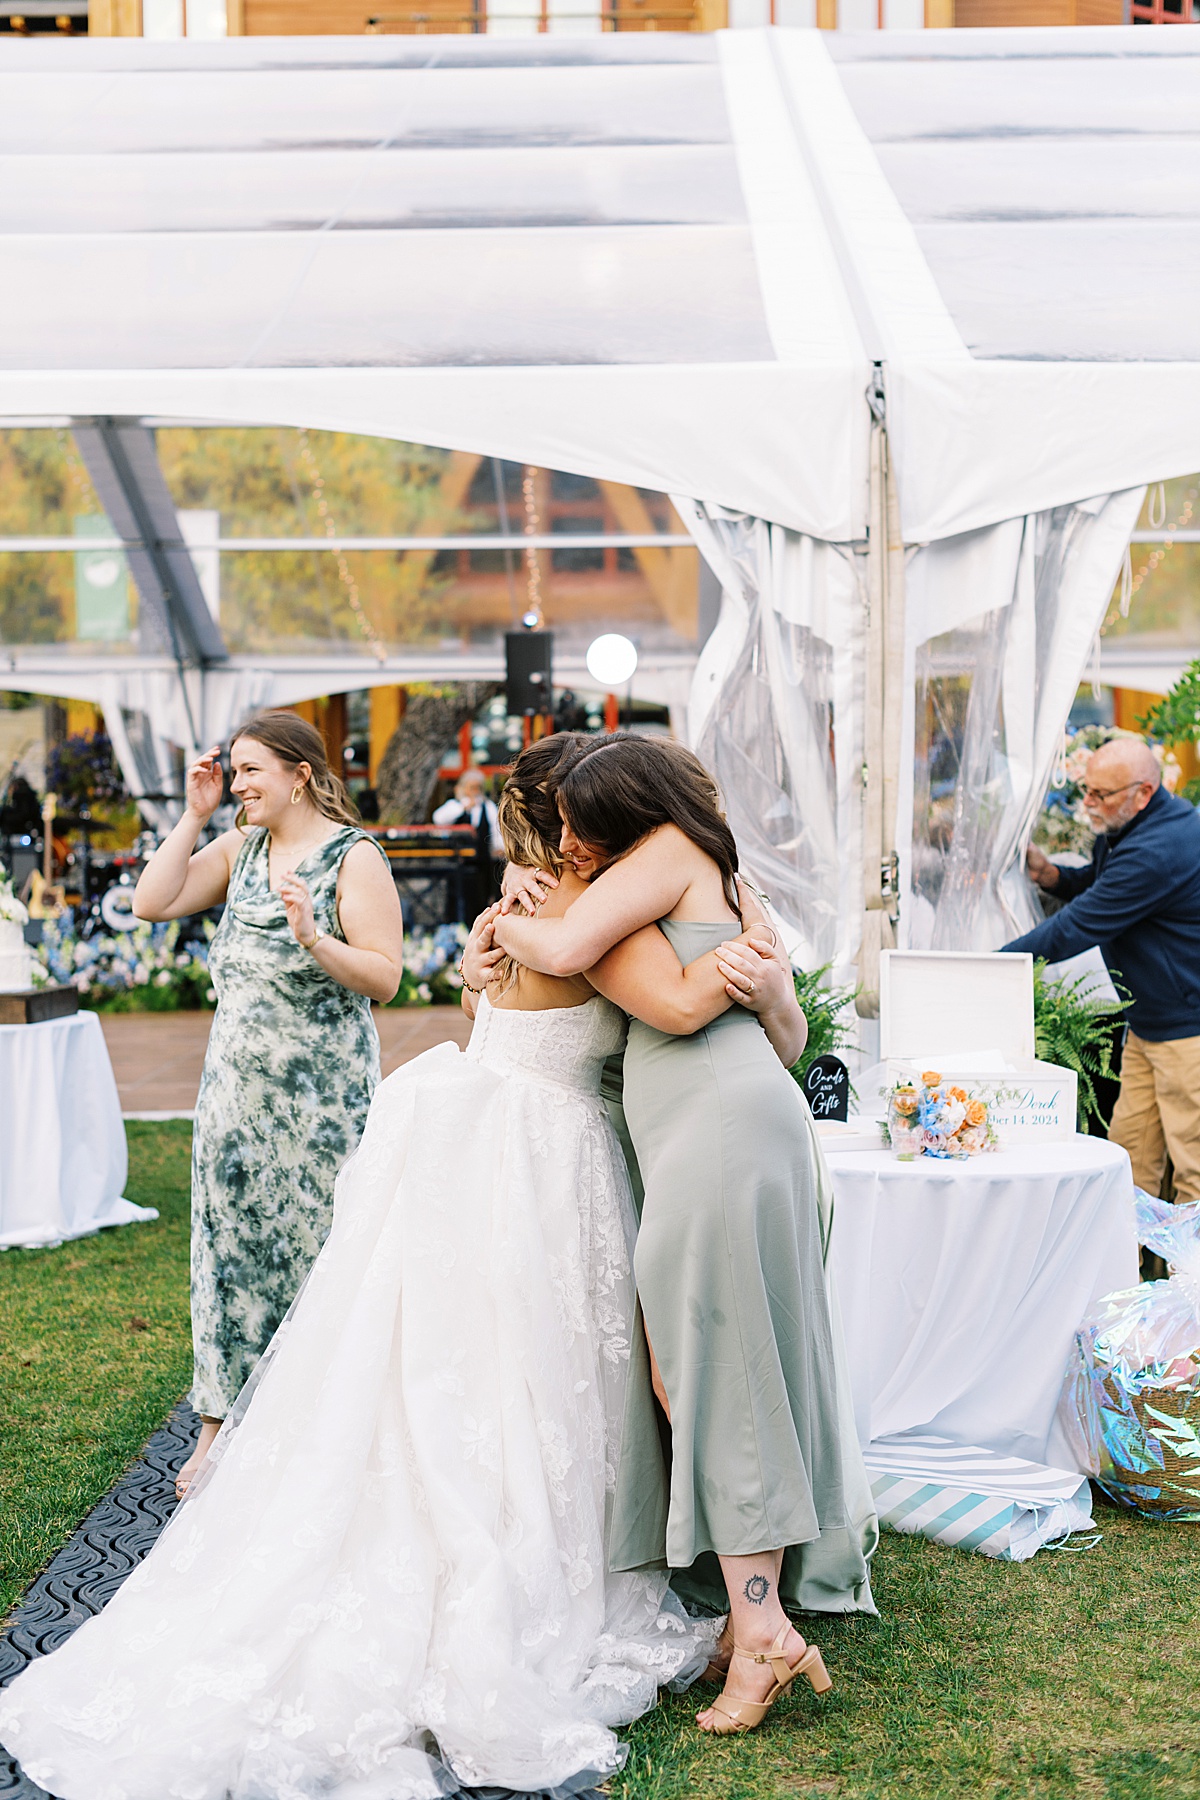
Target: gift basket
(1131, 1405)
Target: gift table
(961, 1285)
(62, 1143)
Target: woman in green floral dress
(311, 934)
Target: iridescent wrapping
(1133, 1393)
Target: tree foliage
(264, 482)
(434, 713)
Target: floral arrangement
(143, 970)
(927, 1118)
(1063, 823)
(431, 961)
(149, 969)
(11, 909)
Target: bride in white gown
(389, 1579)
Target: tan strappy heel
(746, 1715)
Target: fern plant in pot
(1076, 1034)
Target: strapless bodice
(565, 1045)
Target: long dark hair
(614, 791)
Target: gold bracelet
(314, 940)
(466, 983)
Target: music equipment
(528, 677)
(47, 900)
(441, 858)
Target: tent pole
(884, 708)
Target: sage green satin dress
(730, 1269)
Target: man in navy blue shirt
(1140, 902)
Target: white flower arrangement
(11, 908)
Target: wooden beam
(115, 18)
(453, 489)
(672, 575)
(387, 710)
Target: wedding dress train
(389, 1581)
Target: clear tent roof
(665, 259)
(1054, 187)
(420, 206)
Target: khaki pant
(1158, 1112)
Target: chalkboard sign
(827, 1087)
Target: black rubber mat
(89, 1569)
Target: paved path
(157, 1057)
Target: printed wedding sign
(827, 1087)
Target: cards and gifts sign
(827, 1087)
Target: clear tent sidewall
(1011, 473)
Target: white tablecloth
(962, 1285)
(62, 1143)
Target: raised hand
(205, 785)
(298, 905)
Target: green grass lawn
(1076, 1674)
(95, 1348)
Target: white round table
(63, 1160)
(962, 1284)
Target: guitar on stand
(47, 899)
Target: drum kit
(50, 874)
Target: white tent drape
(776, 714)
(1001, 625)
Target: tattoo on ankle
(757, 1589)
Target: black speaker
(528, 672)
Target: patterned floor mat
(89, 1569)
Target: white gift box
(970, 1016)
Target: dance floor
(157, 1057)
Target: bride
(389, 1579)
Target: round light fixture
(611, 660)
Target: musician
(471, 806)
(21, 813)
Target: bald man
(1140, 902)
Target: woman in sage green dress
(311, 934)
(760, 1497)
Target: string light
(532, 565)
(345, 573)
(1131, 580)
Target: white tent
(904, 320)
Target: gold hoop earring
(296, 793)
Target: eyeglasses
(1091, 793)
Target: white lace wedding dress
(389, 1582)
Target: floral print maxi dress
(292, 1063)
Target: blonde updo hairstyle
(529, 818)
(294, 741)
